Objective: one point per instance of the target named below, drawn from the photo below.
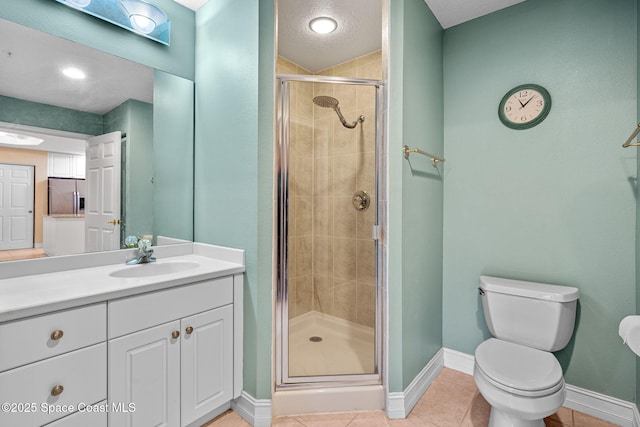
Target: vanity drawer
(81, 373)
(133, 314)
(85, 418)
(29, 340)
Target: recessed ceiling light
(18, 139)
(73, 73)
(323, 25)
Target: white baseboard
(597, 405)
(256, 412)
(601, 406)
(400, 404)
(458, 361)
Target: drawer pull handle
(56, 335)
(189, 330)
(175, 334)
(57, 390)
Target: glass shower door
(329, 321)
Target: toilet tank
(533, 314)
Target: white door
(16, 206)
(102, 198)
(144, 370)
(207, 362)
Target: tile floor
(451, 401)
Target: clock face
(524, 106)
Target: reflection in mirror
(68, 194)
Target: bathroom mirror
(152, 109)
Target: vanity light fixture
(18, 139)
(74, 73)
(138, 16)
(323, 25)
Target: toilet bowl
(516, 372)
(523, 385)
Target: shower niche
(328, 321)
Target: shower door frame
(283, 380)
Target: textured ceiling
(359, 31)
(454, 12)
(359, 27)
(30, 69)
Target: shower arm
(344, 121)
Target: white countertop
(61, 287)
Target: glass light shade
(144, 24)
(144, 17)
(323, 25)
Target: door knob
(114, 222)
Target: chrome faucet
(145, 253)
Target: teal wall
(62, 21)
(173, 97)
(233, 151)
(554, 203)
(19, 111)
(415, 191)
(135, 119)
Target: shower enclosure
(329, 157)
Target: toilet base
(502, 419)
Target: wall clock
(524, 106)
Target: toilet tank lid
(523, 288)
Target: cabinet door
(60, 165)
(207, 362)
(144, 378)
(79, 166)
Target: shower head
(331, 102)
(325, 101)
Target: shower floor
(346, 347)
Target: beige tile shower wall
(344, 162)
(331, 253)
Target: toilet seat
(517, 369)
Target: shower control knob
(361, 200)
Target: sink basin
(154, 269)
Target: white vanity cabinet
(88, 341)
(59, 363)
(171, 355)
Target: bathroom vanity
(87, 340)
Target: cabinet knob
(57, 390)
(56, 335)
(189, 330)
(175, 334)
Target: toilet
(515, 371)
